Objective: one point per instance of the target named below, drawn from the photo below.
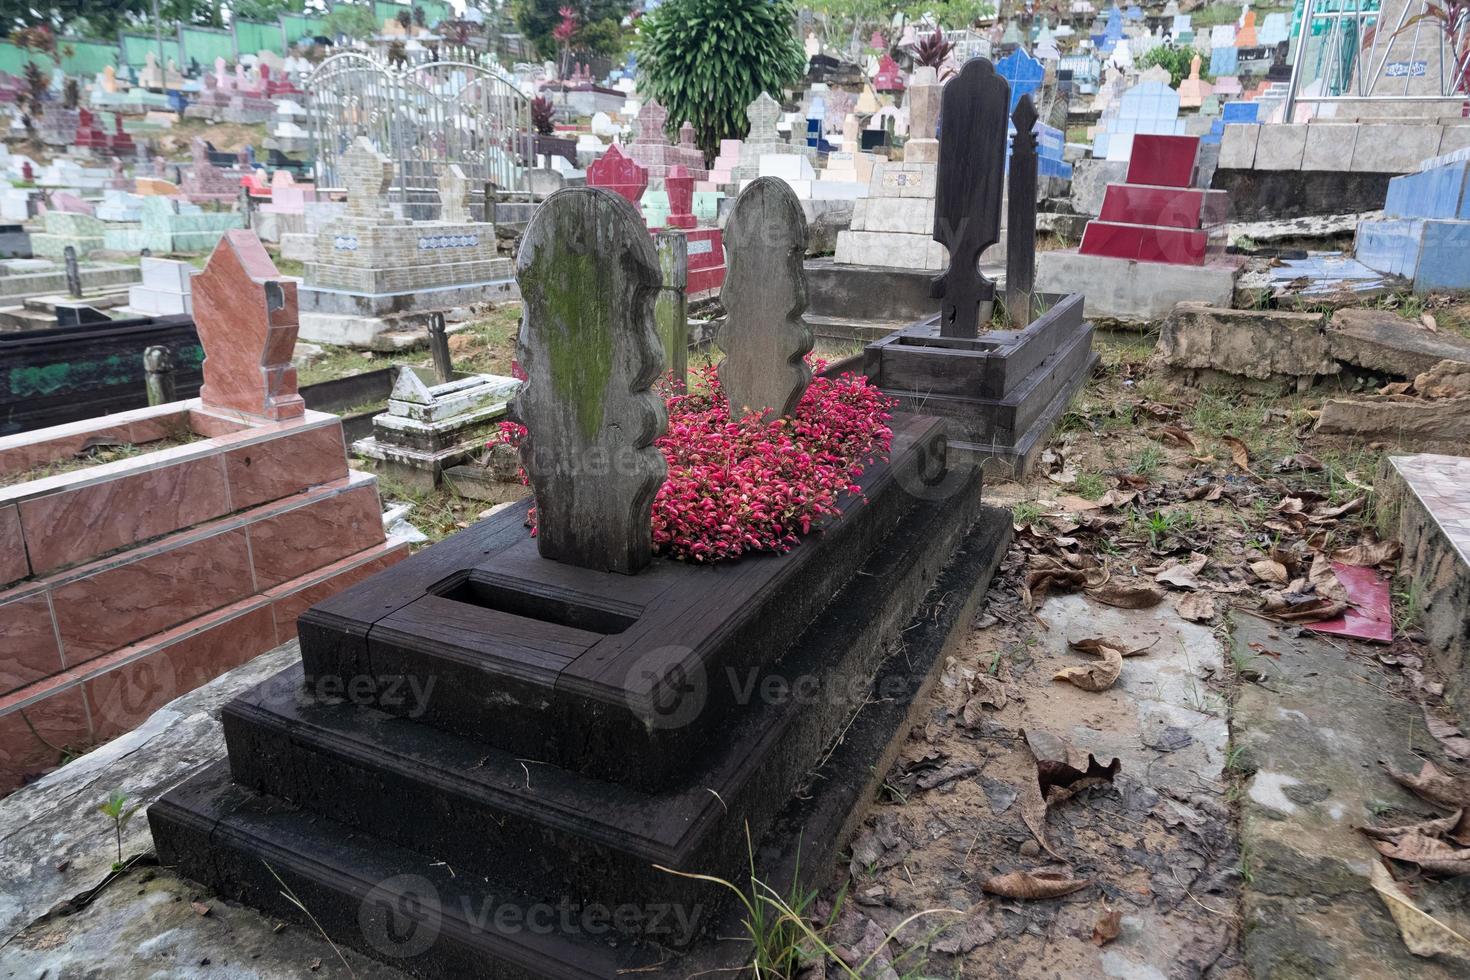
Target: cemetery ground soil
(1156, 848)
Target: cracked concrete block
(1383, 341)
(1262, 345)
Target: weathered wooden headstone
(73, 272)
(588, 343)
(671, 309)
(439, 348)
(158, 375)
(970, 183)
(1021, 216)
(764, 337)
(246, 316)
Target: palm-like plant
(931, 51)
(706, 60)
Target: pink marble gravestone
(246, 315)
(680, 187)
(615, 172)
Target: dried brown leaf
(1434, 785)
(1197, 607)
(1238, 452)
(1031, 885)
(1126, 595)
(1368, 553)
(1178, 436)
(1429, 853)
(1449, 736)
(1269, 570)
(1422, 933)
(1097, 676)
(1108, 927)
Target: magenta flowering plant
(758, 485)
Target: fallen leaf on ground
(1238, 452)
(1434, 785)
(1456, 826)
(1429, 323)
(1182, 574)
(1324, 580)
(1422, 933)
(1449, 736)
(1295, 607)
(1341, 510)
(1210, 491)
(1127, 596)
(199, 908)
(1034, 884)
(1095, 644)
(1368, 553)
(1178, 436)
(1197, 607)
(1107, 927)
(1268, 570)
(1429, 853)
(1300, 461)
(1117, 498)
(1098, 675)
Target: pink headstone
(680, 187)
(614, 172)
(889, 77)
(246, 317)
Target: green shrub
(706, 60)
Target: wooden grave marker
(970, 183)
(591, 351)
(764, 337)
(1021, 217)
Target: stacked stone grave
(126, 584)
(892, 227)
(428, 429)
(1159, 214)
(1003, 388)
(652, 150)
(219, 87)
(207, 182)
(248, 103)
(165, 289)
(764, 139)
(1158, 241)
(370, 268)
(1424, 234)
(170, 224)
(602, 670)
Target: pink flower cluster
(757, 485)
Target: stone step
(1145, 243)
(528, 652)
(561, 833)
(419, 911)
(398, 905)
(1170, 207)
(1427, 497)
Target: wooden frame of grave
(626, 678)
(1004, 389)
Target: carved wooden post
(158, 374)
(764, 337)
(588, 344)
(1021, 216)
(671, 309)
(971, 179)
(439, 349)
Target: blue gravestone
(1023, 72)
(1224, 61)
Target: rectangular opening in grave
(529, 600)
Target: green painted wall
(205, 45)
(254, 38)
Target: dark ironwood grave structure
(487, 750)
(1004, 388)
